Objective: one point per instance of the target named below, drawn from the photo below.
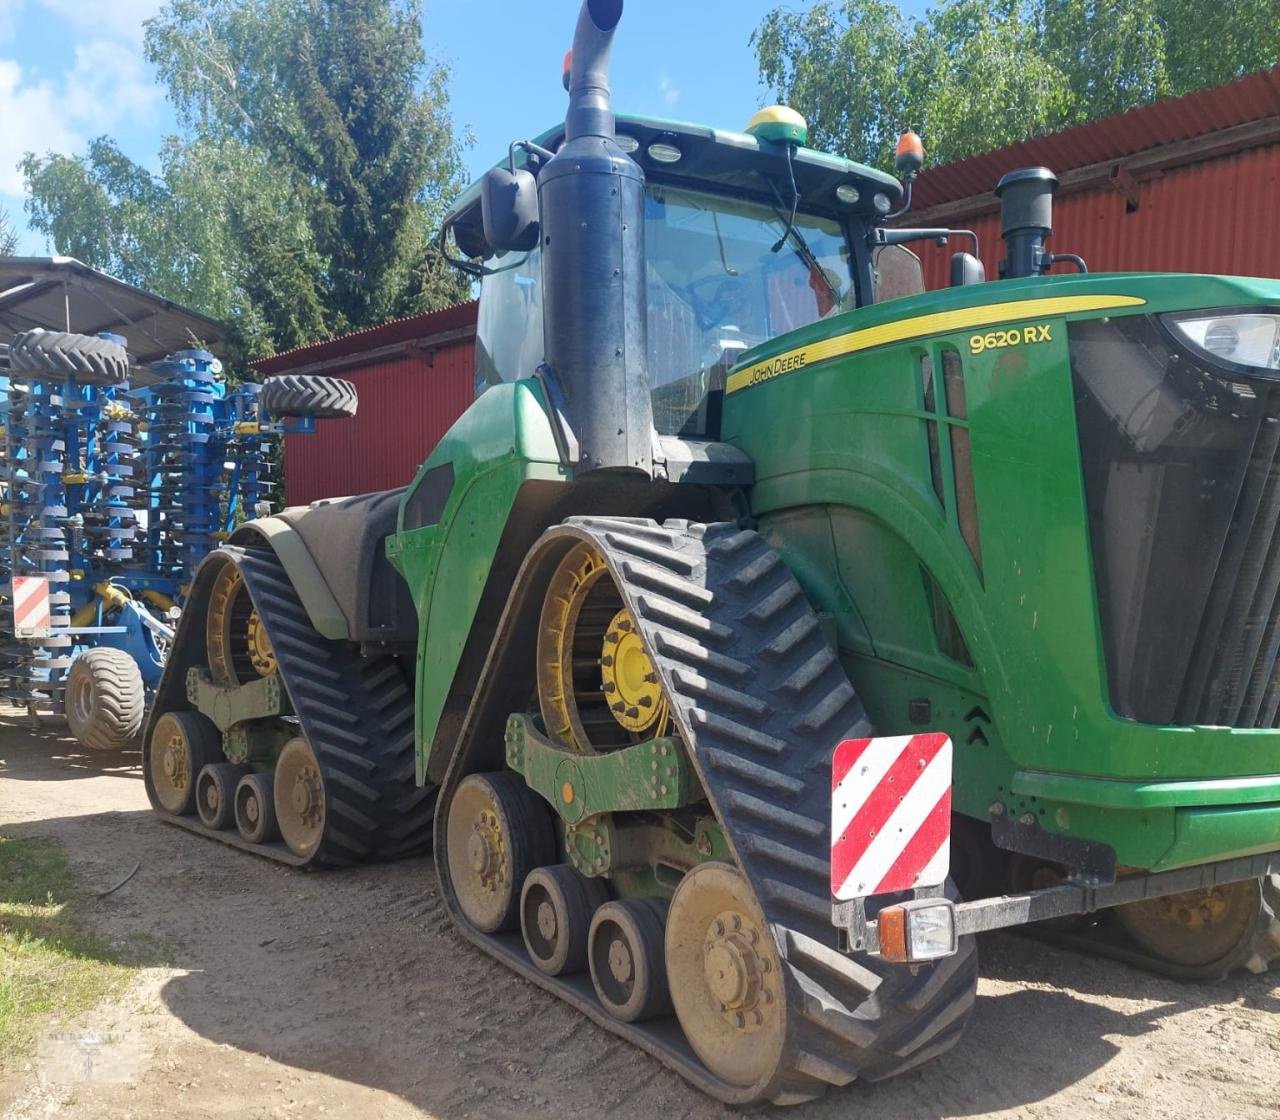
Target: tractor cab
(746, 238)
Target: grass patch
(52, 966)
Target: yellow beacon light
(780, 123)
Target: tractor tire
(105, 699)
(308, 396)
(1248, 940)
(84, 358)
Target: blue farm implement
(113, 495)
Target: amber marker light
(908, 156)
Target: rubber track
(761, 699)
(356, 711)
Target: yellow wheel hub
(734, 972)
(227, 630)
(726, 975)
(260, 651)
(629, 681)
(1197, 928)
(299, 797)
(597, 689)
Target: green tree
(315, 159)
(976, 74)
(8, 235)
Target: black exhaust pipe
(591, 205)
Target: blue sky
(71, 70)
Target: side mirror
(898, 272)
(966, 269)
(509, 210)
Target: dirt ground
(292, 994)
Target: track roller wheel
(628, 968)
(726, 977)
(182, 744)
(215, 793)
(255, 810)
(556, 906)
(498, 832)
(299, 797)
(1212, 931)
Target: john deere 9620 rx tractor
(720, 509)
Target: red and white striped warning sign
(890, 814)
(30, 607)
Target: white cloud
(33, 121)
(103, 87)
(670, 94)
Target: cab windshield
(718, 282)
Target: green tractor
(722, 507)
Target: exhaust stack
(591, 204)
(1026, 221)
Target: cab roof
(736, 163)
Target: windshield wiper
(801, 245)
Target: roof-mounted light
(908, 156)
(663, 152)
(848, 194)
(627, 143)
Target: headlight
(923, 929)
(1243, 340)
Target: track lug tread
(707, 689)
(356, 711)
(738, 732)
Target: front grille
(1181, 466)
(1232, 680)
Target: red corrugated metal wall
(406, 405)
(1217, 216)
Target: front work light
(1243, 339)
(923, 929)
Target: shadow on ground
(358, 975)
(49, 753)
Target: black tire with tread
(305, 395)
(85, 358)
(1256, 952)
(118, 699)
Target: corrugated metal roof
(1254, 97)
(429, 323)
(61, 293)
